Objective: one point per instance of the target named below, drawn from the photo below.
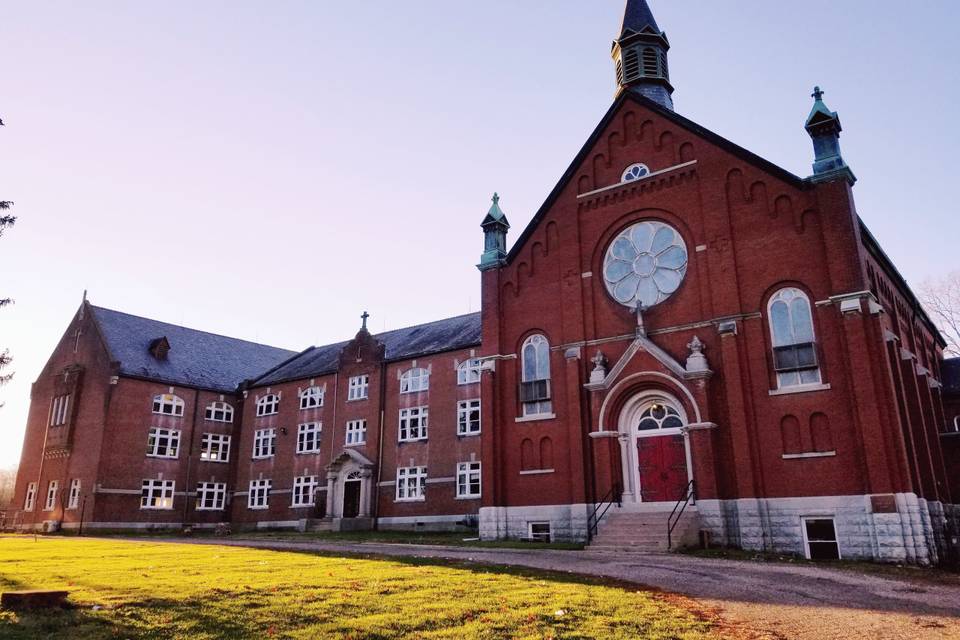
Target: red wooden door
(663, 468)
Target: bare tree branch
(941, 298)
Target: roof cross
(817, 93)
(364, 317)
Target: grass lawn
(411, 537)
(159, 590)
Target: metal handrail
(593, 522)
(689, 494)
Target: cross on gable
(364, 317)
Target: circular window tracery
(645, 264)
(634, 172)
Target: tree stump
(33, 599)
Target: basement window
(538, 531)
(820, 539)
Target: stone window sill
(809, 454)
(537, 417)
(467, 498)
(800, 388)
(535, 472)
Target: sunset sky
(271, 170)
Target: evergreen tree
(6, 221)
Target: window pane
(802, 323)
(780, 321)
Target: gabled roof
(950, 372)
(689, 125)
(196, 358)
(450, 334)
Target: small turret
(640, 53)
(495, 228)
(824, 128)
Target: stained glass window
(645, 264)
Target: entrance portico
(349, 490)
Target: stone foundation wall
(568, 522)
(915, 531)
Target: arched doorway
(655, 449)
(351, 495)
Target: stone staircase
(645, 532)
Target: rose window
(634, 172)
(645, 264)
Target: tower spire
(824, 128)
(495, 227)
(640, 53)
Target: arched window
(268, 405)
(168, 404)
(468, 372)
(794, 345)
(219, 412)
(311, 398)
(414, 380)
(634, 172)
(659, 415)
(535, 376)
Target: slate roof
(401, 344)
(950, 371)
(196, 358)
(637, 15)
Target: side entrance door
(663, 468)
(351, 498)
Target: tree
(8, 480)
(6, 221)
(941, 298)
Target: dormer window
(268, 405)
(634, 172)
(167, 404)
(159, 348)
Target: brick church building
(681, 323)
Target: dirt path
(766, 600)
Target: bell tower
(640, 54)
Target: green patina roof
(495, 214)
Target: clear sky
(270, 170)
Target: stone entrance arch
(654, 448)
(350, 488)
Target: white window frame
(30, 498)
(465, 409)
(356, 433)
(780, 375)
(411, 484)
(807, 541)
(311, 398)
(541, 352)
(468, 474)
(415, 380)
(468, 371)
(58, 410)
(168, 404)
(73, 498)
(161, 434)
(215, 447)
(407, 416)
(216, 492)
(258, 496)
(53, 487)
(304, 491)
(268, 405)
(264, 443)
(308, 433)
(539, 537)
(225, 410)
(358, 388)
(157, 495)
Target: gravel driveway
(761, 600)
